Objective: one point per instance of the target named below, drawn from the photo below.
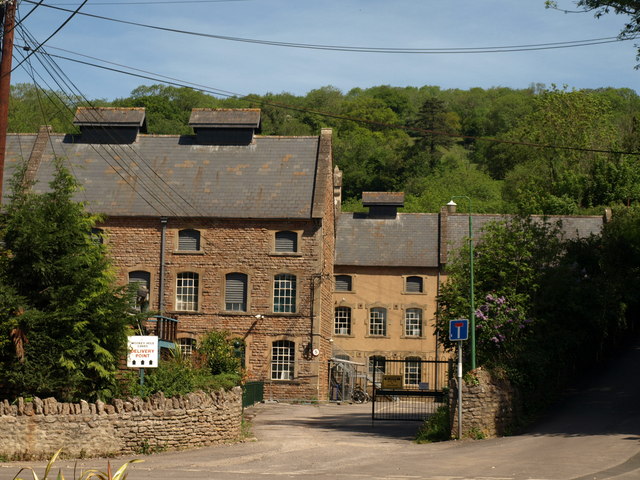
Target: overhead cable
(360, 49)
(257, 100)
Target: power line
(359, 49)
(73, 14)
(214, 91)
(158, 184)
(156, 2)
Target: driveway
(594, 435)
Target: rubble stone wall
(489, 406)
(38, 428)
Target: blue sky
(244, 68)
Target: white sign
(142, 351)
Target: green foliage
(120, 474)
(436, 428)
(179, 375)
(64, 316)
(221, 352)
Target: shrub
(436, 428)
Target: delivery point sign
(142, 351)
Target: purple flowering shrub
(501, 325)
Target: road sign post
(459, 332)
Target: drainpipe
(163, 222)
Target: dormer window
(225, 126)
(110, 125)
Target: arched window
(284, 293)
(189, 240)
(414, 285)
(377, 366)
(342, 321)
(286, 242)
(412, 370)
(343, 283)
(413, 322)
(143, 281)
(235, 292)
(378, 321)
(282, 360)
(187, 287)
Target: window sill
(343, 335)
(285, 254)
(413, 337)
(414, 293)
(376, 336)
(235, 313)
(188, 252)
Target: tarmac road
(594, 435)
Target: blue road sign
(458, 329)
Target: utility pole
(9, 11)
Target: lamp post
(472, 318)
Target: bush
(178, 375)
(436, 428)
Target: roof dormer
(110, 125)
(383, 204)
(225, 126)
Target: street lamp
(472, 319)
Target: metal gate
(409, 389)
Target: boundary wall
(38, 428)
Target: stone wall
(489, 406)
(39, 428)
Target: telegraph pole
(9, 11)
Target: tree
(66, 319)
(571, 168)
(509, 262)
(630, 8)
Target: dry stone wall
(489, 406)
(39, 428)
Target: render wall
(385, 287)
(39, 428)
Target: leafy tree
(572, 169)
(66, 320)
(619, 7)
(220, 353)
(509, 263)
(439, 124)
(168, 108)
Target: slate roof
(572, 226)
(109, 116)
(225, 118)
(411, 239)
(273, 177)
(383, 198)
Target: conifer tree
(63, 321)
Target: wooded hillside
(535, 150)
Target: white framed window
(342, 321)
(343, 283)
(235, 292)
(143, 281)
(414, 284)
(286, 242)
(187, 288)
(282, 360)
(378, 321)
(413, 322)
(187, 346)
(377, 367)
(412, 370)
(284, 293)
(189, 240)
